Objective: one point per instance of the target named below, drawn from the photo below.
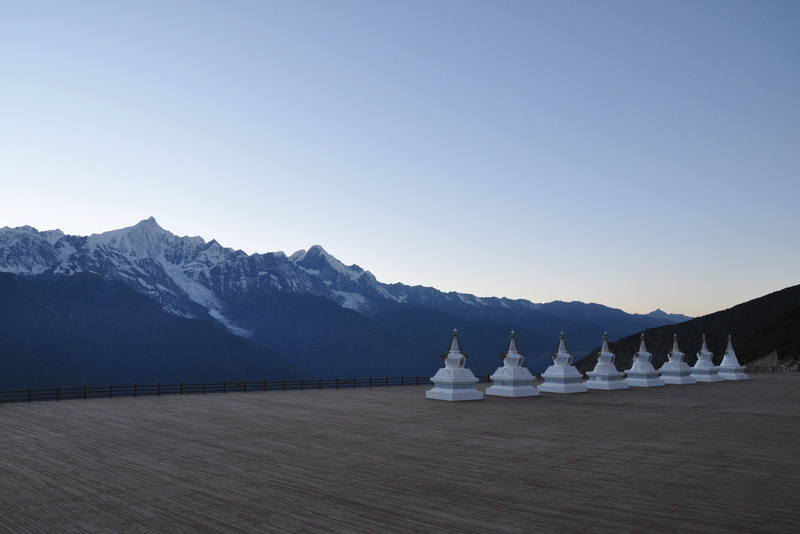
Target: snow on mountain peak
(25, 250)
(52, 236)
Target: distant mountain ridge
(287, 303)
(664, 316)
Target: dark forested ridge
(757, 328)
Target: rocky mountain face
(326, 318)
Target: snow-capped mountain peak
(143, 240)
(317, 261)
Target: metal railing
(769, 369)
(149, 390)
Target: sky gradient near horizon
(639, 155)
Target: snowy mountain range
(268, 298)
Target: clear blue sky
(635, 154)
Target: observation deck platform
(720, 457)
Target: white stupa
(675, 370)
(512, 380)
(705, 370)
(729, 368)
(605, 374)
(562, 376)
(453, 382)
(642, 373)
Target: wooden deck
(702, 458)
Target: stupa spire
(604, 346)
(562, 345)
(704, 348)
(729, 349)
(642, 347)
(455, 346)
(512, 344)
(675, 348)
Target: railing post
(337, 383)
(265, 385)
(401, 381)
(354, 383)
(283, 385)
(417, 380)
(58, 393)
(245, 386)
(134, 390)
(320, 384)
(181, 388)
(301, 384)
(29, 394)
(204, 387)
(84, 392)
(370, 381)
(158, 391)
(109, 390)
(387, 382)
(224, 386)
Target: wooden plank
(705, 458)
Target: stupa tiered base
(705, 370)
(706, 375)
(512, 383)
(605, 379)
(562, 376)
(643, 378)
(512, 380)
(677, 376)
(562, 385)
(454, 385)
(605, 376)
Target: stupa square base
(733, 374)
(453, 394)
(644, 382)
(707, 377)
(605, 385)
(680, 380)
(560, 387)
(512, 391)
